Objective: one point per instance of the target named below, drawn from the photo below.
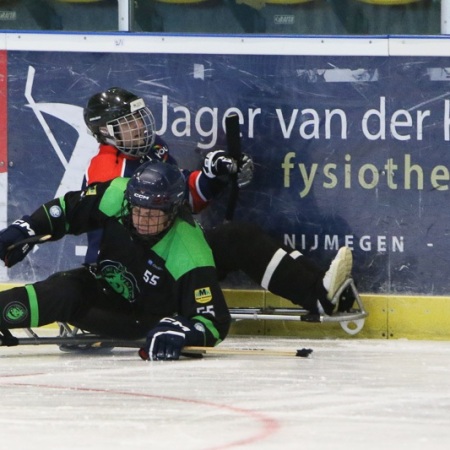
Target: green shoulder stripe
(184, 248)
(111, 202)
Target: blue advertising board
(348, 150)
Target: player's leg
(246, 247)
(74, 297)
(109, 314)
(61, 297)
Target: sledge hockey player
(125, 130)
(154, 277)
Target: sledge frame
(350, 315)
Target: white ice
(349, 394)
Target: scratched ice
(350, 394)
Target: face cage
(161, 225)
(139, 135)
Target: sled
(350, 315)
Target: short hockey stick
(303, 352)
(30, 240)
(234, 150)
(96, 342)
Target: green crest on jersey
(15, 312)
(120, 280)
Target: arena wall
(349, 136)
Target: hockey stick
(97, 342)
(30, 240)
(234, 150)
(303, 353)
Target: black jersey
(174, 276)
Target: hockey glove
(165, 341)
(218, 163)
(16, 232)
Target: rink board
(390, 317)
(349, 138)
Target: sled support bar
(350, 311)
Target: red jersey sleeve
(198, 200)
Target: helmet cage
(151, 222)
(157, 186)
(133, 134)
(169, 206)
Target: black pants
(76, 297)
(246, 247)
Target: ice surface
(350, 394)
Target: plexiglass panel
(290, 17)
(324, 17)
(59, 15)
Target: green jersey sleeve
(80, 211)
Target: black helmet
(157, 185)
(107, 111)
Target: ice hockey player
(154, 277)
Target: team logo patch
(199, 327)
(120, 280)
(91, 190)
(55, 211)
(15, 312)
(161, 152)
(203, 295)
(152, 263)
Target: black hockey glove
(165, 341)
(16, 232)
(217, 163)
